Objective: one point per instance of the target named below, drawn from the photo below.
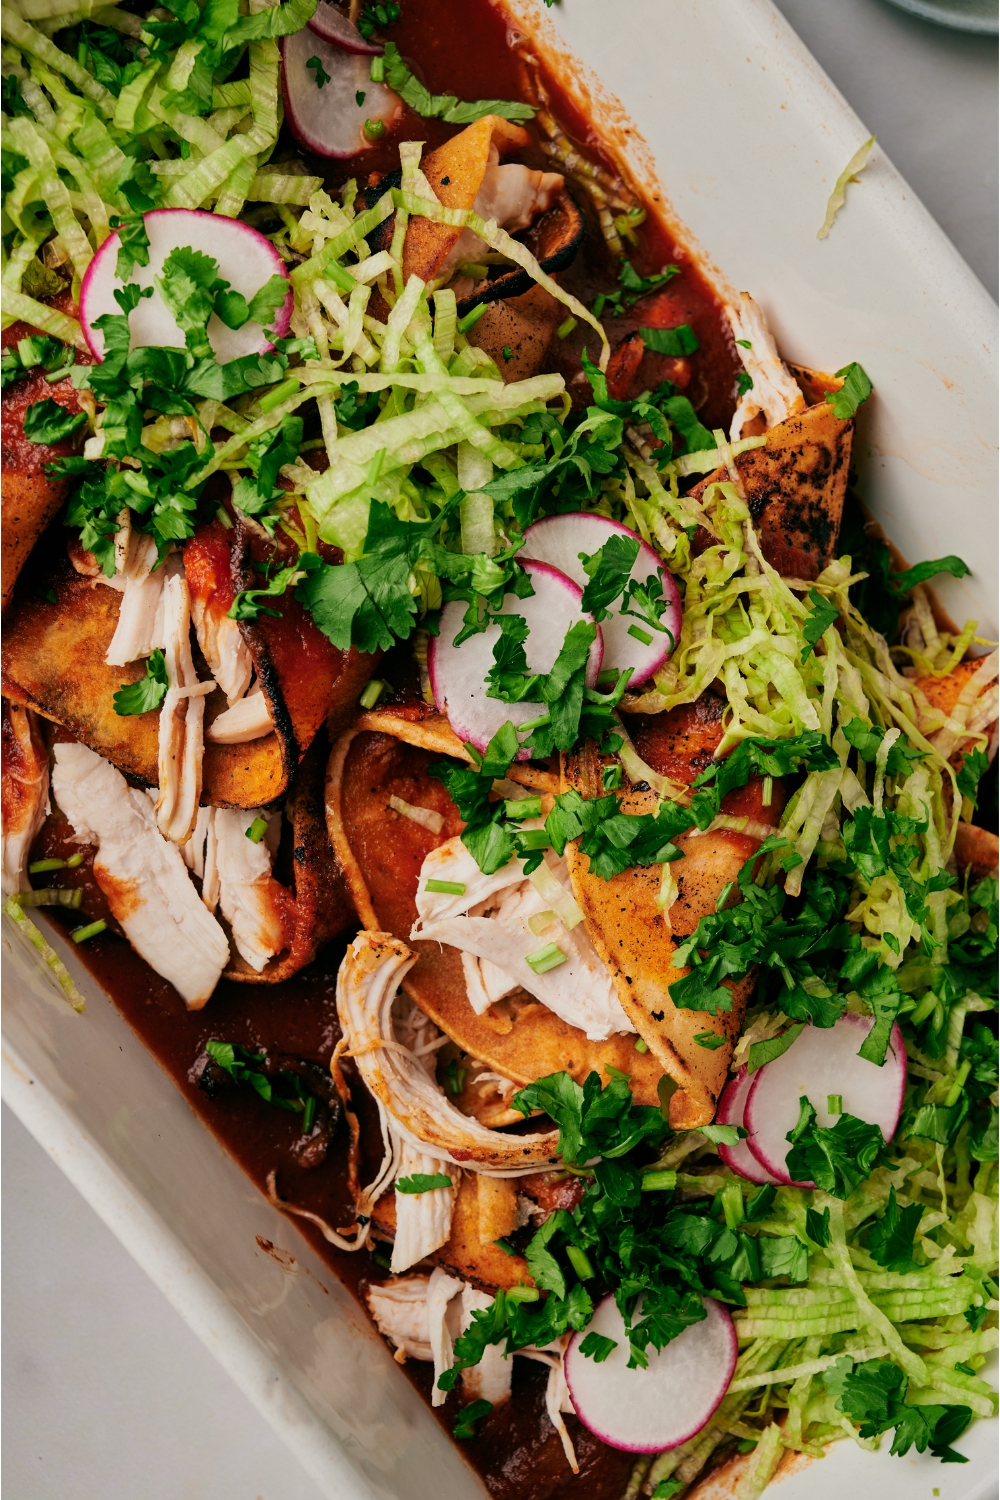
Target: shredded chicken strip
(250, 898)
(249, 719)
(774, 391)
(373, 967)
(223, 647)
(142, 875)
(495, 948)
(423, 1220)
(182, 717)
(140, 629)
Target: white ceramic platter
(747, 136)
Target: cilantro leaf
(247, 605)
(608, 572)
(904, 582)
(824, 613)
(47, 422)
(469, 1416)
(838, 1158)
(974, 764)
(853, 393)
(189, 284)
(133, 244)
(772, 1047)
(422, 1182)
(674, 341)
(890, 1241)
(784, 1256)
(597, 1347)
(148, 693)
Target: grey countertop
(108, 1395)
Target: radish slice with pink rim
(650, 1410)
(334, 27)
(739, 1158)
(245, 259)
(822, 1062)
(558, 540)
(458, 673)
(328, 119)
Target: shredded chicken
(249, 719)
(423, 1220)
(182, 717)
(373, 967)
(140, 629)
(143, 876)
(25, 792)
(774, 391)
(423, 1315)
(252, 901)
(512, 195)
(222, 646)
(399, 1309)
(489, 924)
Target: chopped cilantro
(597, 1347)
(47, 422)
(853, 393)
(836, 1159)
(468, 1418)
(423, 1182)
(148, 693)
(674, 341)
(321, 76)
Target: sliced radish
(245, 259)
(559, 540)
(821, 1062)
(646, 1411)
(328, 119)
(334, 27)
(739, 1158)
(458, 673)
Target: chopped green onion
(377, 70)
(523, 807)
(503, 1245)
(540, 921)
(446, 887)
(768, 792)
(732, 1202)
(640, 635)
(257, 830)
(52, 376)
(48, 955)
(663, 1181)
(372, 693)
(41, 866)
(835, 1104)
(521, 1294)
(549, 957)
(374, 129)
(309, 1114)
(598, 306)
(578, 1260)
(536, 723)
(607, 678)
(534, 838)
(505, 351)
(566, 327)
(954, 1093)
(50, 897)
(472, 318)
(83, 933)
(381, 1259)
(222, 516)
(640, 1045)
(475, 269)
(278, 394)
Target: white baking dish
(747, 136)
